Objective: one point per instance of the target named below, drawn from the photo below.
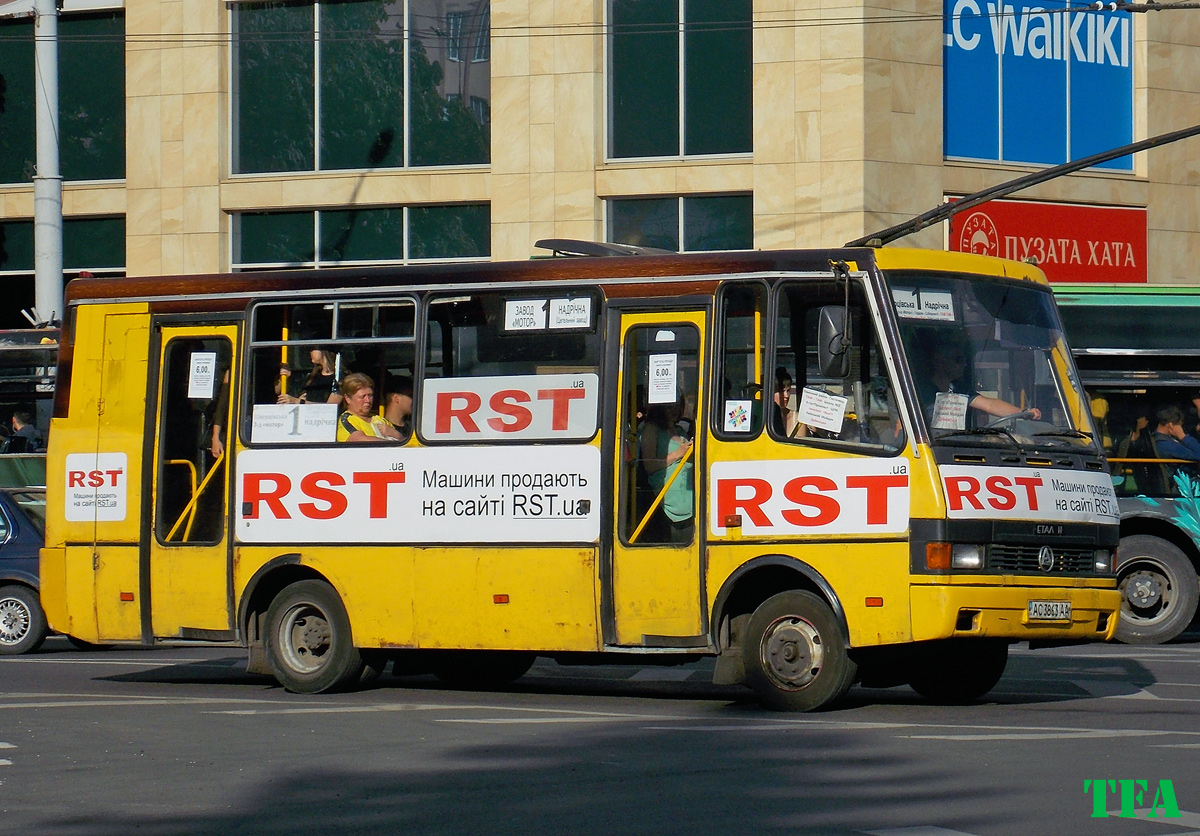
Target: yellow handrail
(658, 499)
(190, 508)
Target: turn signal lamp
(937, 557)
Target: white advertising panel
(779, 498)
(97, 487)
(373, 494)
(295, 423)
(536, 406)
(980, 492)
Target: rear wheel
(308, 641)
(22, 620)
(795, 654)
(958, 671)
(1159, 590)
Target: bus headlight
(1104, 562)
(966, 556)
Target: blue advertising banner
(1027, 84)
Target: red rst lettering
(1002, 499)
(507, 402)
(959, 488)
(1030, 483)
(728, 501)
(562, 404)
(446, 411)
(379, 482)
(95, 479)
(114, 474)
(877, 488)
(74, 478)
(827, 507)
(315, 486)
(253, 493)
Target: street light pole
(47, 182)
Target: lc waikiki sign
(1070, 243)
(1029, 84)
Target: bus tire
(22, 620)
(958, 671)
(481, 668)
(1159, 590)
(308, 641)
(795, 654)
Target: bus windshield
(989, 362)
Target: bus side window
(858, 409)
(741, 401)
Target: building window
(91, 98)
(483, 40)
(680, 78)
(454, 35)
(683, 224)
(94, 245)
(352, 85)
(1028, 86)
(328, 238)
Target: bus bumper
(942, 612)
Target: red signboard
(1071, 243)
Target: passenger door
(188, 540)
(655, 595)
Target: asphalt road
(180, 740)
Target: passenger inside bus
(320, 386)
(359, 421)
(398, 403)
(665, 439)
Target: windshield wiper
(1066, 434)
(988, 431)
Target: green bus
(1137, 348)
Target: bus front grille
(1025, 560)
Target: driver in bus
(946, 393)
(359, 422)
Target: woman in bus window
(321, 384)
(359, 422)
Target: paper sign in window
(525, 315)
(663, 377)
(950, 411)
(822, 410)
(203, 375)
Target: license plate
(1049, 610)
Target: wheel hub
(1144, 589)
(14, 621)
(306, 637)
(792, 652)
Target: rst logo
(553, 406)
(980, 492)
(97, 486)
(811, 497)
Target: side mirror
(832, 354)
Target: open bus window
(742, 360)
(299, 355)
(517, 365)
(810, 406)
(1126, 419)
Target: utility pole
(47, 183)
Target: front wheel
(958, 671)
(22, 621)
(1159, 590)
(795, 653)
(308, 640)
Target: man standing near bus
(25, 437)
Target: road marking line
(5, 762)
(362, 709)
(1114, 690)
(1097, 733)
(157, 662)
(921, 830)
(1190, 821)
